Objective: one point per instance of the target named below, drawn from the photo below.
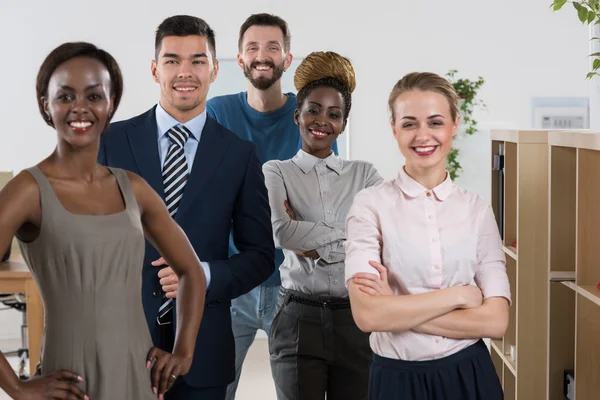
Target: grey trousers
(316, 351)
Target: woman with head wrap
(315, 346)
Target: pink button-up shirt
(428, 240)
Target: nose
(185, 71)
(423, 133)
(80, 106)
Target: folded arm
(291, 234)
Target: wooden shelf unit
(574, 313)
(525, 223)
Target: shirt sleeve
(363, 236)
(490, 274)
(291, 234)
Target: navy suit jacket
(225, 192)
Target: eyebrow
(90, 87)
(415, 118)
(254, 43)
(318, 104)
(174, 55)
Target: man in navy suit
(212, 183)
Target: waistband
(325, 302)
(475, 350)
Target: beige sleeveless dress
(88, 270)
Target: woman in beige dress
(81, 227)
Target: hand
(309, 254)
(168, 278)
(471, 296)
(373, 284)
(290, 212)
(166, 368)
(59, 385)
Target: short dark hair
(184, 25)
(326, 82)
(266, 20)
(64, 53)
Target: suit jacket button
(156, 293)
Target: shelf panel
(510, 364)
(588, 291)
(510, 251)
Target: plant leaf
(577, 5)
(596, 64)
(595, 38)
(594, 55)
(591, 75)
(591, 16)
(558, 4)
(582, 14)
(594, 4)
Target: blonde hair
(425, 82)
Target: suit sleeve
(102, 153)
(252, 236)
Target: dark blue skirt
(466, 375)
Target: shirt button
(328, 211)
(156, 293)
(326, 193)
(436, 266)
(437, 340)
(335, 281)
(428, 194)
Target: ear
(45, 105)
(111, 111)
(297, 117)
(240, 61)
(288, 61)
(215, 72)
(154, 71)
(456, 126)
(344, 125)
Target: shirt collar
(164, 122)
(307, 162)
(412, 188)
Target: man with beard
(264, 115)
(212, 183)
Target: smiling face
(184, 69)
(423, 127)
(321, 120)
(79, 101)
(262, 56)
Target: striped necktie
(175, 171)
(175, 175)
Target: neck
(319, 153)
(266, 100)
(183, 116)
(429, 178)
(75, 163)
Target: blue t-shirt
(275, 134)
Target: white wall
(520, 47)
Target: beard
(263, 83)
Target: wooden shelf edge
(559, 276)
(588, 291)
(509, 363)
(510, 251)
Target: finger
(368, 290)
(159, 262)
(166, 377)
(170, 288)
(366, 275)
(171, 295)
(169, 280)
(151, 357)
(70, 388)
(67, 375)
(166, 272)
(382, 270)
(157, 371)
(367, 282)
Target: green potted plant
(588, 12)
(467, 91)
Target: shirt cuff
(206, 268)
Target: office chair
(17, 302)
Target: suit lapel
(143, 141)
(209, 154)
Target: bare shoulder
(22, 187)
(143, 192)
